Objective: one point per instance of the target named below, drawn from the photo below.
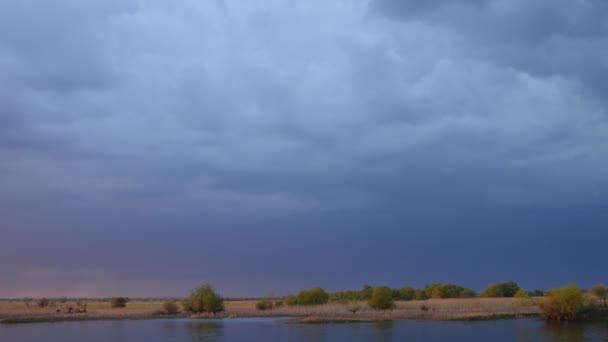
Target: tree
(313, 296)
(563, 304)
(420, 294)
(382, 298)
(291, 300)
(467, 293)
(407, 293)
(170, 308)
(204, 299)
(601, 292)
(118, 302)
(264, 304)
(366, 292)
(521, 294)
(507, 289)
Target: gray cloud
(226, 118)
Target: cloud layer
(298, 127)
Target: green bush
(291, 300)
(420, 294)
(263, 304)
(536, 293)
(437, 291)
(521, 294)
(382, 298)
(467, 293)
(563, 304)
(118, 302)
(366, 292)
(407, 293)
(204, 299)
(313, 296)
(278, 304)
(170, 308)
(507, 289)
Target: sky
(274, 145)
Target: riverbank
(434, 310)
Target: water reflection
(205, 330)
(383, 331)
(566, 332)
(279, 330)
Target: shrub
(563, 304)
(536, 293)
(407, 293)
(204, 299)
(446, 291)
(601, 292)
(118, 302)
(366, 292)
(507, 289)
(278, 304)
(264, 304)
(467, 293)
(43, 302)
(313, 296)
(63, 300)
(382, 298)
(420, 295)
(170, 308)
(291, 300)
(354, 309)
(521, 294)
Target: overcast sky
(269, 146)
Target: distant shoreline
(469, 309)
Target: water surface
(272, 329)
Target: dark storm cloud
(540, 37)
(278, 128)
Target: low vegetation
(204, 299)
(170, 308)
(118, 302)
(382, 299)
(507, 289)
(264, 304)
(563, 304)
(313, 296)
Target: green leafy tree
(170, 308)
(313, 296)
(420, 294)
(601, 292)
(521, 294)
(291, 300)
(366, 292)
(264, 304)
(506, 289)
(204, 299)
(467, 293)
(118, 302)
(407, 293)
(382, 298)
(563, 304)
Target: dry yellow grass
(435, 309)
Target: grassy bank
(434, 309)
